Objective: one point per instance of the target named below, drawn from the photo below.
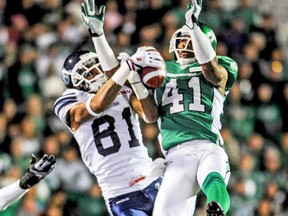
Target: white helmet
(181, 34)
(77, 68)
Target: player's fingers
(102, 11)
(92, 6)
(52, 159)
(155, 55)
(45, 157)
(84, 9)
(33, 159)
(41, 162)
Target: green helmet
(210, 34)
(182, 32)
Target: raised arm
(106, 94)
(94, 21)
(143, 103)
(35, 173)
(204, 52)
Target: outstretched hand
(92, 20)
(37, 170)
(133, 77)
(192, 13)
(146, 56)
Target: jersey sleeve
(232, 69)
(63, 104)
(10, 194)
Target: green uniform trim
(214, 188)
(189, 106)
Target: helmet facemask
(183, 33)
(86, 67)
(180, 36)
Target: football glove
(37, 170)
(93, 21)
(133, 77)
(192, 13)
(146, 56)
(123, 57)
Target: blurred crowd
(37, 35)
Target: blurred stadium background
(37, 35)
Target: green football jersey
(190, 107)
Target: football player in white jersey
(36, 172)
(102, 114)
(190, 104)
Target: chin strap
(185, 61)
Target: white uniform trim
(88, 107)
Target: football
(152, 77)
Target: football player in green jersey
(190, 104)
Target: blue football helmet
(81, 70)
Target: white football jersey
(110, 144)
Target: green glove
(93, 21)
(193, 10)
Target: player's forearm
(210, 72)
(203, 50)
(105, 96)
(9, 194)
(149, 110)
(105, 53)
(109, 91)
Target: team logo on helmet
(65, 77)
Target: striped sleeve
(63, 104)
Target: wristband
(106, 56)
(140, 90)
(90, 111)
(203, 50)
(120, 76)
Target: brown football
(152, 77)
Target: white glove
(146, 56)
(37, 171)
(93, 21)
(156, 169)
(192, 13)
(133, 77)
(123, 57)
